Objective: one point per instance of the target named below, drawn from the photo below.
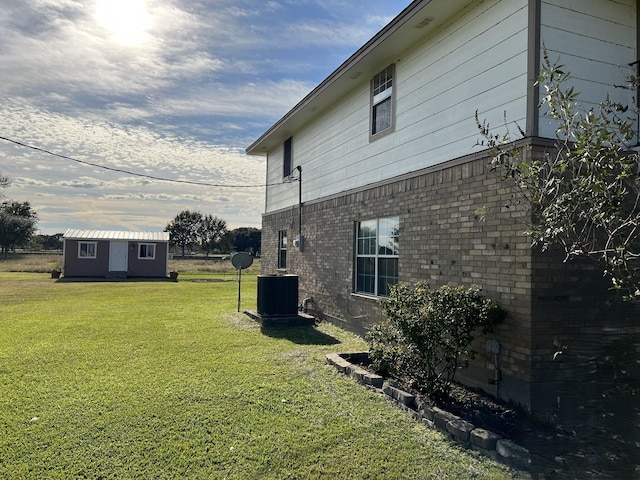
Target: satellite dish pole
(239, 286)
(240, 261)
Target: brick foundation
(444, 238)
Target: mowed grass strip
(167, 380)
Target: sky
(175, 89)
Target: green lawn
(166, 380)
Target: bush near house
(427, 335)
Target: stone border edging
(455, 428)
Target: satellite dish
(241, 260)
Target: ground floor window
(282, 249)
(87, 249)
(147, 250)
(377, 256)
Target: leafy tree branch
(584, 193)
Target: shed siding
(476, 57)
(148, 268)
(85, 267)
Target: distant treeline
(244, 239)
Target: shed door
(118, 256)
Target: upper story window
(147, 250)
(382, 102)
(87, 249)
(377, 255)
(282, 249)
(288, 157)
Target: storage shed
(106, 253)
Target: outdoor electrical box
(298, 242)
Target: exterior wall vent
(426, 21)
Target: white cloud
(266, 99)
(77, 192)
(194, 83)
(78, 53)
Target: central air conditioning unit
(277, 295)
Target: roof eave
(259, 147)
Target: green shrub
(427, 334)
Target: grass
(35, 263)
(166, 380)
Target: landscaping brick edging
(455, 428)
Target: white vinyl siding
(478, 60)
(595, 41)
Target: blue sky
(166, 88)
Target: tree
(4, 182)
(183, 229)
(585, 194)
(53, 242)
(46, 242)
(17, 225)
(227, 242)
(247, 239)
(211, 233)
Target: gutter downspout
(299, 168)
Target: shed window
(87, 249)
(147, 251)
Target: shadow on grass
(306, 335)
(113, 280)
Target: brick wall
(460, 224)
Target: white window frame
(380, 245)
(282, 250)
(382, 90)
(87, 250)
(146, 256)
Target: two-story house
(392, 181)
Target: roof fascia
(401, 19)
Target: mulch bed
(562, 452)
